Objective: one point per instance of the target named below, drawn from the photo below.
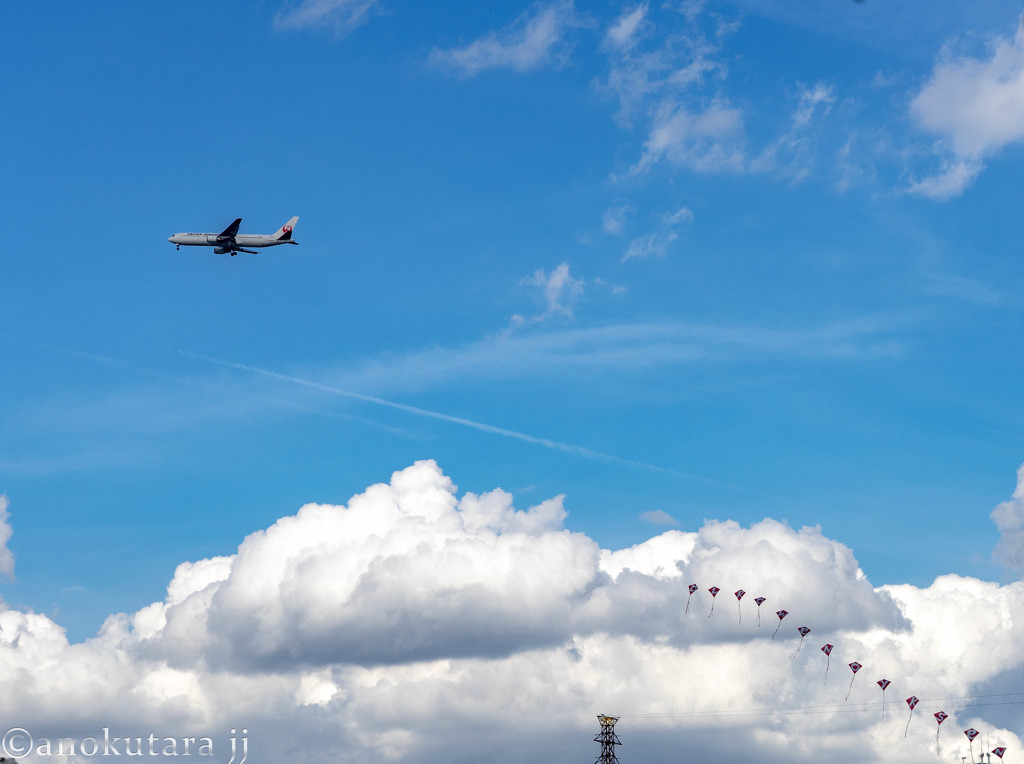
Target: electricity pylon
(608, 740)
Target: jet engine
(221, 250)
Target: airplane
(228, 242)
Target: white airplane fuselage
(229, 241)
(214, 240)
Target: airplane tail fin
(284, 233)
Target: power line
(963, 701)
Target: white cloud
(812, 100)
(978, 104)
(614, 220)
(659, 243)
(850, 166)
(606, 349)
(710, 140)
(615, 288)
(342, 16)
(616, 352)
(532, 41)
(406, 572)
(419, 626)
(670, 79)
(792, 153)
(1009, 518)
(559, 292)
(691, 9)
(976, 107)
(670, 66)
(316, 689)
(623, 33)
(6, 555)
(952, 179)
(658, 517)
(669, 71)
(680, 216)
(655, 244)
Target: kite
(693, 588)
(971, 734)
(714, 593)
(854, 667)
(804, 631)
(827, 649)
(999, 751)
(911, 701)
(940, 717)
(759, 601)
(781, 614)
(883, 683)
(739, 596)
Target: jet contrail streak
(555, 445)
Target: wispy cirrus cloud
(177, 402)
(954, 176)
(618, 349)
(558, 290)
(534, 40)
(622, 348)
(658, 243)
(613, 222)
(341, 16)
(623, 33)
(652, 61)
(670, 83)
(792, 153)
(706, 140)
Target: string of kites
(912, 701)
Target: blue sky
(722, 251)
(725, 292)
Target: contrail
(554, 445)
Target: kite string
(813, 709)
(799, 647)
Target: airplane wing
(232, 230)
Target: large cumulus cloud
(409, 572)
(416, 625)
(405, 572)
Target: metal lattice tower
(608, 740)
